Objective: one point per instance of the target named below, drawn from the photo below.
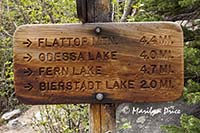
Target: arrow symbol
(27, 72)
(28, 86)
(27, 43)
(28, 57)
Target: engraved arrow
(27, 72)
(28, 43)
(28, 86)
(28, 57)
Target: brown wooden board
(72, 63)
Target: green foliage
(126, 125)
(14, 13)
(169, 7)
(159, 10)
(173, 129)
(143, 14)
(41, 11)
(192, 92)
(189, 124)
(62, 119)
(192, 63)
(117, 8)
(188, 3)
(7, 99)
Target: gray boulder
(148, 117)
(11, 115)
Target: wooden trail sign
(98, 63)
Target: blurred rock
(141, 120)
(15, 124)
(11, 115)
(148, 117)
(38, 116)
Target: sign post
(102, 116)
(98, 63)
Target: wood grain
(102, 116)
(71, 63)
(90, 11)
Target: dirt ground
(24, 123)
